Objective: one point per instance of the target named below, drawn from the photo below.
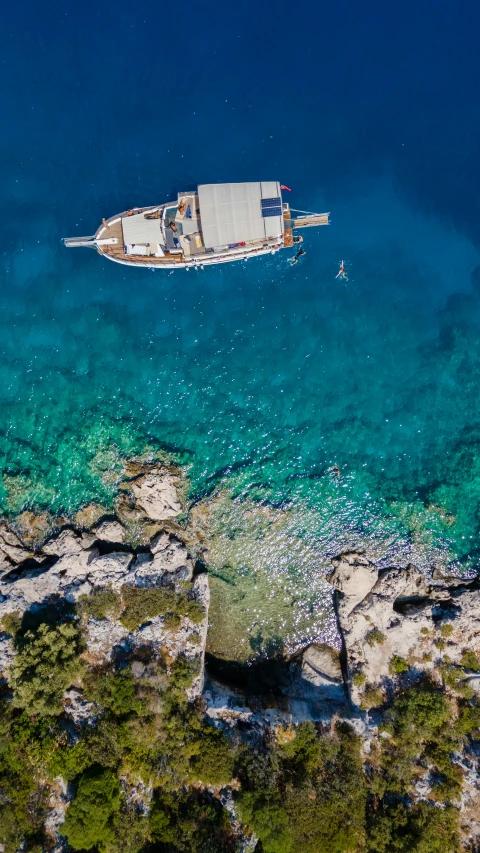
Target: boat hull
(193, 263)
(187, 233)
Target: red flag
(283, 187)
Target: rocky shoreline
(397, 628)
(136, 546)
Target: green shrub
(172, 621)
(454, 677)
(468, 720)
(421, 828)
(195, 612)
(99, 745)
(11, 623)
(268, 818)
(23, 796)
(100, 603)
(418, 718)
(46, 664)
(183, 671)
(440, 643)
(470, 661)
(190, 822)
(418, 713)
(375, 636)
(70, 760)
(115, 691)
(446, 629)
(398, 665)
(103, 744)
(424, 631)
(213, 762)
(130, 830)
(142, 603)
(359, 679)
(372, 698)
(308, 795)
(89, 819)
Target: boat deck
(113, 228)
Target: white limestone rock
(110, 531)
(156, 494)
(400, 615)
(474, 683)
(354, 576)
(109, 569)
(8, 537)
(17, 596)
(6, 654)
(14, 554)
(77, 707)
(73, 565)
(103, 636)
(12, 550)
(320, 662)
(67, 543)
(60, 797)
(171, 555)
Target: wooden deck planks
(114, 229)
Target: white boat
(215, 224)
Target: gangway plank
(309, 220)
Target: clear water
(259, 377)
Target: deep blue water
(260, 376)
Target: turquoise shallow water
(259, 377)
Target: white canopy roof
(137, 229)
(232, 213)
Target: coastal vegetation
(135, 605)
(309, 787)
(47, 662)
(107, 742)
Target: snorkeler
(341, 273)
(297, 256)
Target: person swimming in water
(341, 273)
(297, 256)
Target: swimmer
(297, 256)
(334, 471)
(341, 273)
